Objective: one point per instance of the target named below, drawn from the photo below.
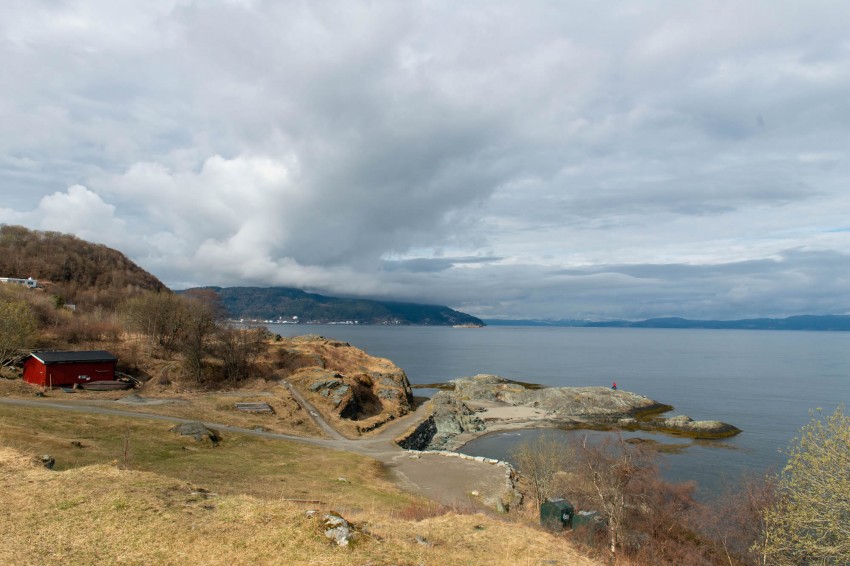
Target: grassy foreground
(167, 499)
(240, 464)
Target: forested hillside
(271, 303)
(79, 271)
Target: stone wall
(420, 437)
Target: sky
(535, 159)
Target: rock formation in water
(485, 403)
(685, 425)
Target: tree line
(80, 272)
(190, 328)
(193, 325)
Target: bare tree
(237, 348)
(200, 326)
(610, 475)
(162, 317)
(540, 460)
(735, 521)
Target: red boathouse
(52, 369)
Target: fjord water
(766, 383)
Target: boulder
(684, 424)
(452, 416)
(337, 529)
(199, 431)
(48, 461)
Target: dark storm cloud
(434, 265)
(570, 159)
(795, 282)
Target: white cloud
(485, 149)
(80, 211)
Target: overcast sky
(509, 159)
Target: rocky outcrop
(488, 403)
(199, 431)
(584, 402)
(344, 382)
(333, 387)
(685, 425)
(452, 417)
(420, 437)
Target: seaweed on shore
(647, 414)
(444, 386)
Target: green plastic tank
(556, 514)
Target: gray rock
(338, 529)
(48, 461)
(391, 394)
(342, 391)
(698, 429)
(579, 401)
(420, 438)
(198, 431)
(325, 384)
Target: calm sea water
(766, 383)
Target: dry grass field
(239, 464)
(211, 406)
(127, 492)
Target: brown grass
(16, 388)
(210, 406)
(263, 468)
(219, 406)
(100, 514)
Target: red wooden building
(52, 369)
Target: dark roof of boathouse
(74, 357)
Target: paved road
(447, 480)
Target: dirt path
(314, 414)
(91, 407)
(448, 480)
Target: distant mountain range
(289, 304)
(803, 322)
